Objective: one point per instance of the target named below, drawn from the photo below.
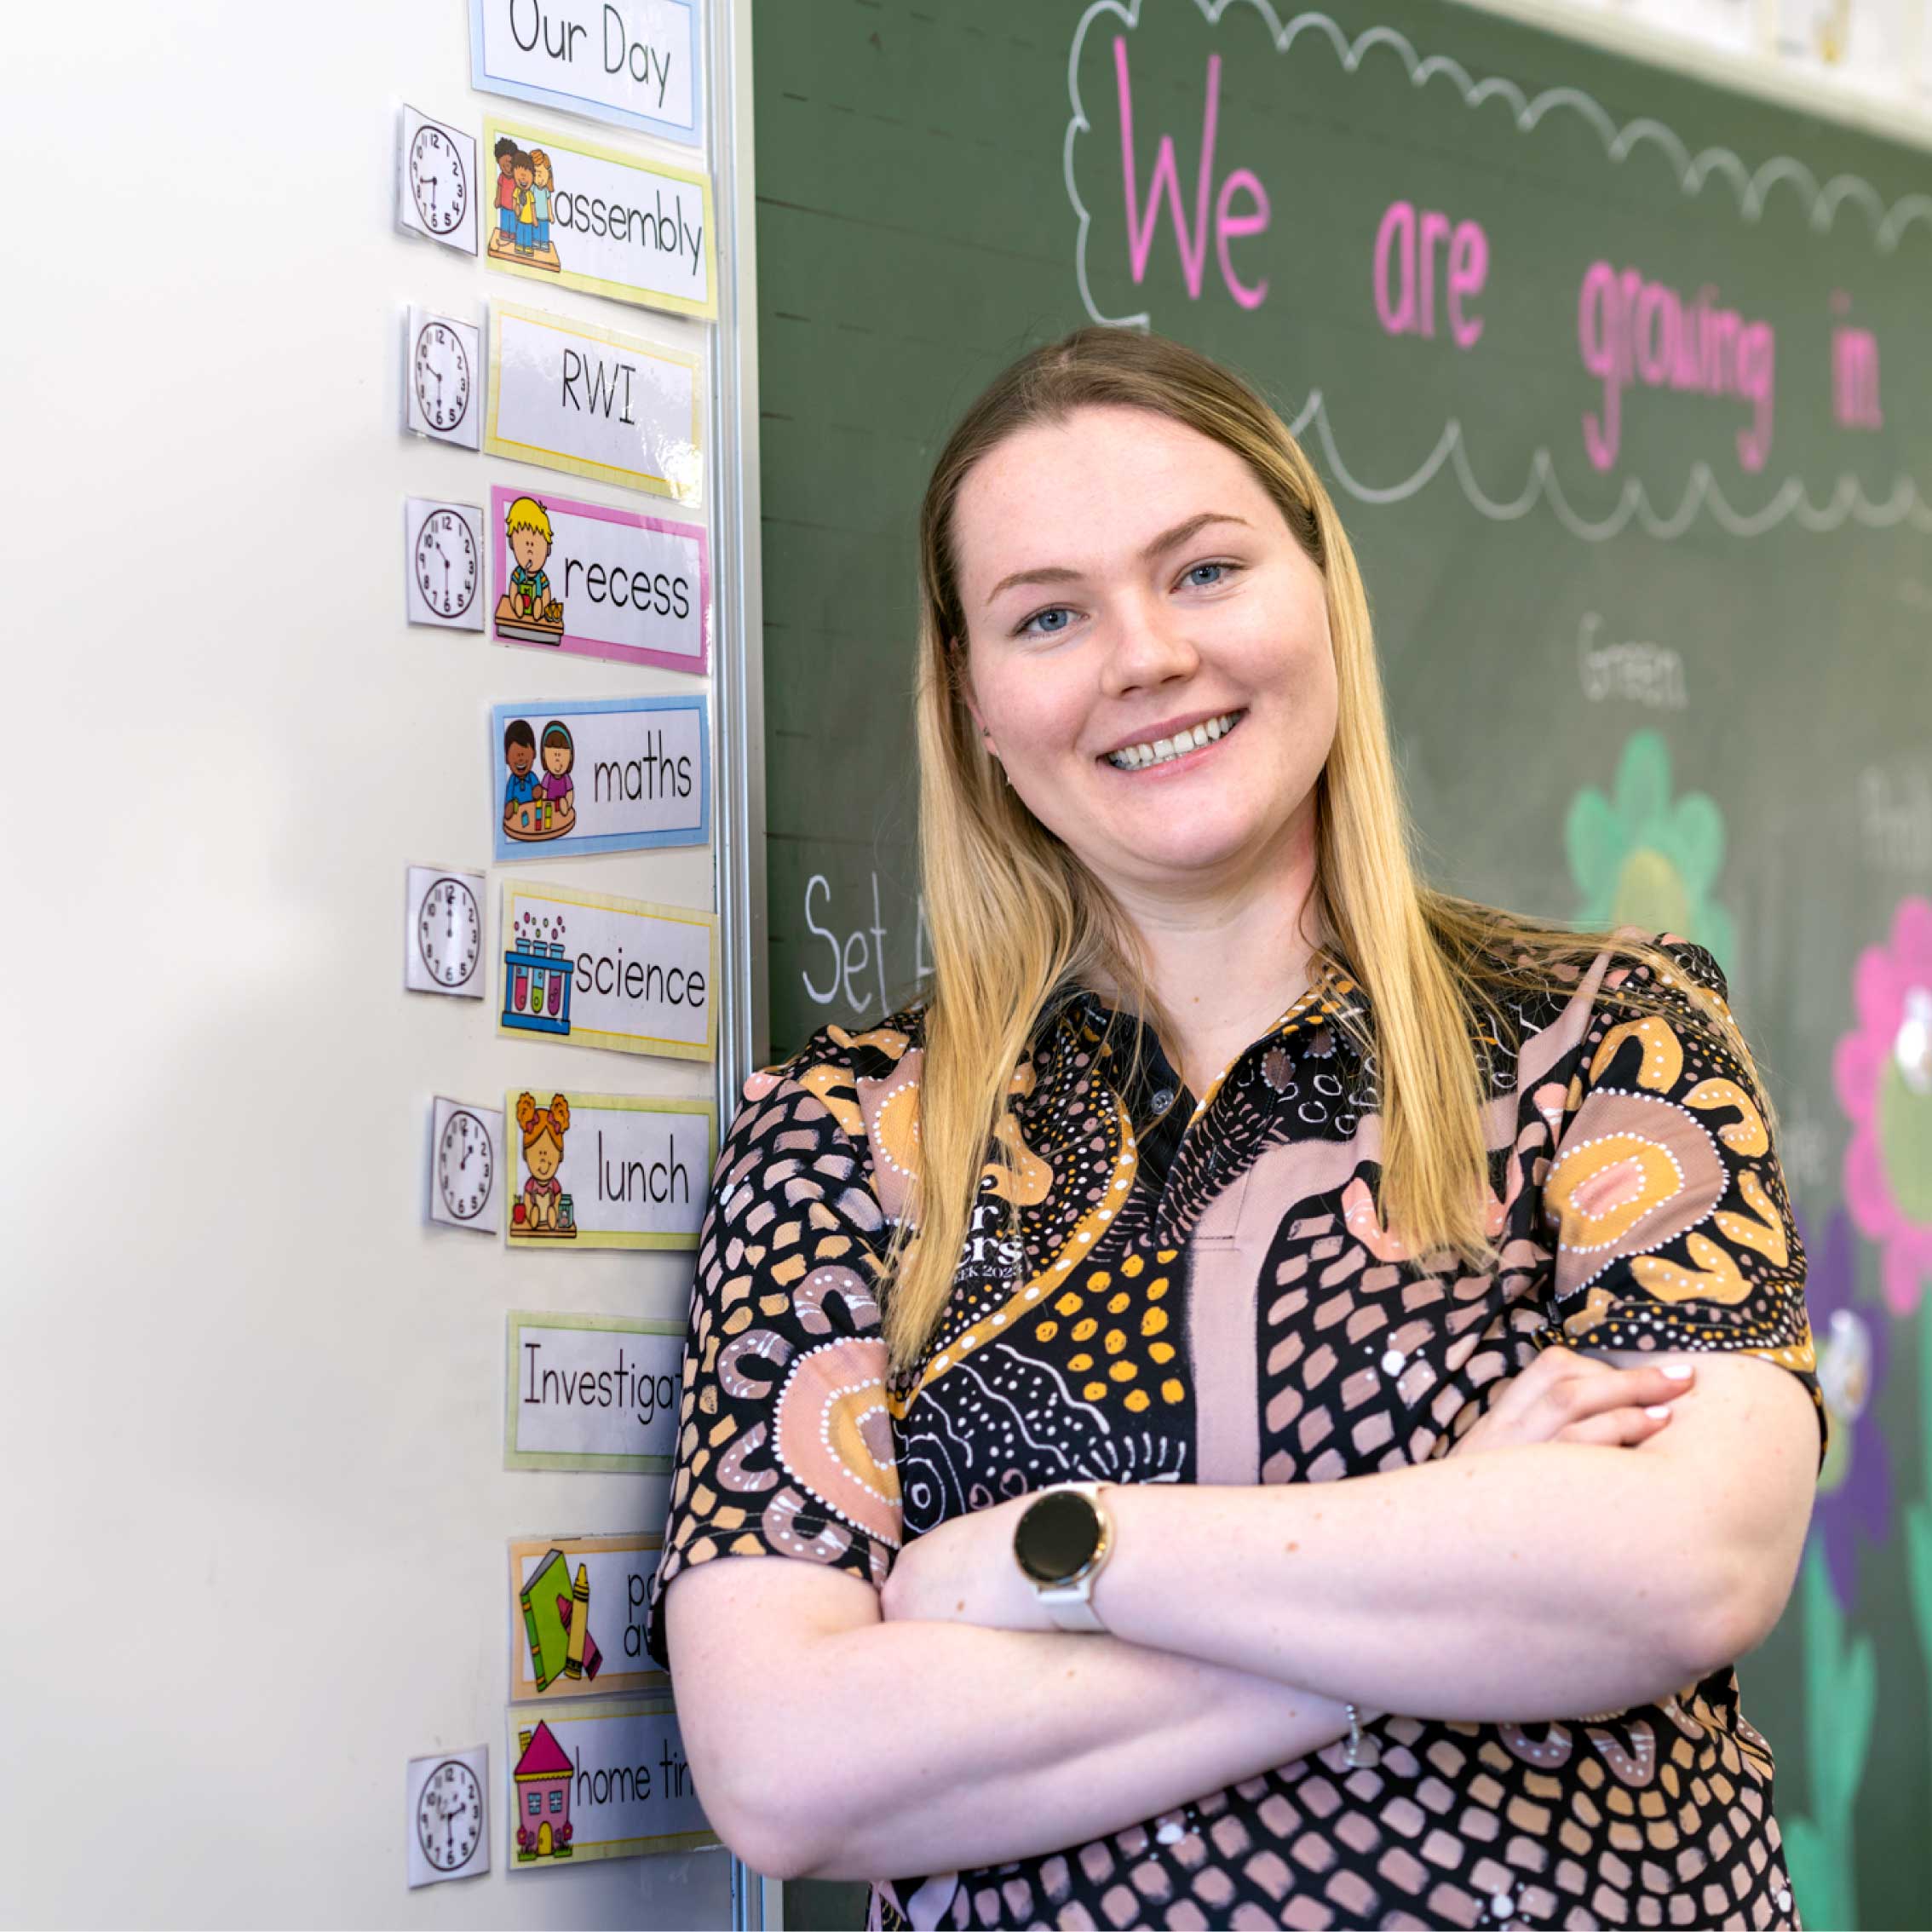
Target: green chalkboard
(1619, 382)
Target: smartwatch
(1061, 1541)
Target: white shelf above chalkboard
(1811, 87)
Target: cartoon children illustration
(524, 173)
(519, 754)
(539, 1208)
(559, 755)
(541, 187)
(506, 192)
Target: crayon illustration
(551, 1624)
(578, 1613)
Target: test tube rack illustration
(537, 976)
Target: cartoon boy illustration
(541, 187)
(559, 755)
(527, 525)
(539, 1208)
(519, 754)
(524, 175)
(506, 191)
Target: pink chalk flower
(1883, 1075)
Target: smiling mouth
(1165, 751)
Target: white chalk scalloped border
(1846, 500)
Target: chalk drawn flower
(1640, 858)
(1854, 1486)
(1883, 1075)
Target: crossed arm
(836, 1732)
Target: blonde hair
(1014, 916)
(527, 513)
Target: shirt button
(1501, 1904)
(1783, 1898)
(1163, 1100)
(1391, 1365)
(1170, 1834)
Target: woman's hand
(1565, 1397)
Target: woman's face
(1126, 581)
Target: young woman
(1409, 1291)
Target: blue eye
(1046, 621)
(1195, 577)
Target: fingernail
(1679, 1371)
(1661, 1410)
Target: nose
(1147, 647)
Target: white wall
(253, 1420)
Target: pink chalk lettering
(1230, 222)
(1631, 329)
(1406, 306)
(1854, 372)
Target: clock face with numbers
(446, 565)
(464, 1170)
(439, 367)
(449, 932)
(449, 1816)
(439, 183)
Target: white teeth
(1137, 757)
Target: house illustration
(543, 1797)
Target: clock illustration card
(589, 970)
(606, 1577)
(572, 212)
(588, 580)
(449, 1815)
(466, 1166)
(603, 1780)
(606, 1170)
(443, 378)
(611, 775)
(443, 933)
(436, 181)
(443, 563)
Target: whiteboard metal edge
(737, 708)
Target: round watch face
(1057, 1536)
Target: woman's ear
(973, 703)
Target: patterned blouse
(1203, 1291)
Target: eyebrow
(1167, 540)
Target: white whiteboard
(251, 1390)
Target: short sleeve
(1673, 1223)
(784, 1443)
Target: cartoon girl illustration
(525, 203)
(539, 1208)
(541, 188)
(559, 755)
